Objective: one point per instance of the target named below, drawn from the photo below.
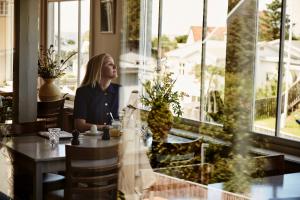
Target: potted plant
(50, 67)
(163, 103)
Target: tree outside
(269, 22)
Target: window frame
(4, 8)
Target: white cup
(93, 128)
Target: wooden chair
(51, 112)
(269, 165)
(6, 94)
(92, 173)
(51, 181)
(175, 154)
(6, 106)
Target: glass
(115, 128)
(181, 50)
(266, 70)
(214, 47)
(54, 134)
(290, 110)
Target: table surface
(285, 187)
(39, 148)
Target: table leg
(37, 183)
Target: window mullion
(58, 28)
(79, 45)
(158, 68)
(280, 68)
(203, 54)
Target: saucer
(98, 133)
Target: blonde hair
(93, 70)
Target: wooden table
(36, 155)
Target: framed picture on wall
(107, 16)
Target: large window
(68, 30)
(6, 44)
(173, 36)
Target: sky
(178, 15)
(69, 17)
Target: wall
(105, 42)
(26, 68)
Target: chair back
(270, 165)
(92, 172)
(6, 94)
(51, 112)
(27, 127)
(175, 154)
(6, 104)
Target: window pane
(289, 128)
(85, 36)
(69, 43)
(63, 31)
(181, 50)
(214, 61)
(52, 24)
(6, 45)
(266, 70)
(138, 55)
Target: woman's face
(109, 69)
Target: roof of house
(219, 32)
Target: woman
(97, 97)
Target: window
(3, 8)
(6, 45)
(290, 112)
(68, 30)
(196, 54)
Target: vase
(160, 121)
(49, 91)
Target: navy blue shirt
(94, 105)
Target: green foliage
(160, 96)
(181, 38)
(159, 92)
(270, 20)
(133, 20)
(49, 65)
(71, 42)
(166, 44)
(268, 90)
(197, 71)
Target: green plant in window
(160, 97)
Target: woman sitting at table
(97, 97)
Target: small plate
(98, 133)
